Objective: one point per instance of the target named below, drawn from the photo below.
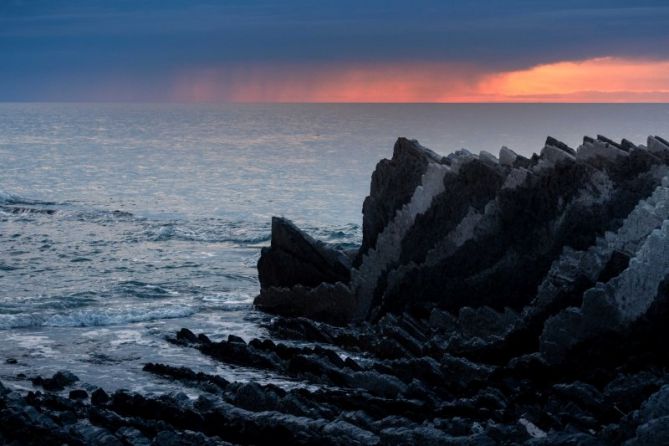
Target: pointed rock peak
(461, 153)
(550, 141)
(488, 158)
(627, 145)
(604, 139)
(516, 177)
(459, 157)
(657, 144)
(294, 257)
(507, 156)
(393, 184)
(662, 140)
(592, 148)
(553, 154)
(279, 222)
(411, 147)
(284, 233)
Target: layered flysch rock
(572, 241)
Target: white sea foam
(208, 232)
(95, 318)
(7, 198)
(8, 321)
(229, 300)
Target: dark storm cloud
(69, 49)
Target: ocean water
(121, 223)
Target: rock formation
(539, 236)
(562, 257)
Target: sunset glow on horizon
(605, 79)
(346, 51)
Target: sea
(122, 223)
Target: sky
(334, 51)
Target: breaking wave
(95, 318)
(210, 232)
(246, 233)
(7, 198)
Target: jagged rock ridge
(477, 231)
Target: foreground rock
(396, 382)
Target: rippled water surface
(120, 224)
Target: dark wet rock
(567, 439)
(185, 374)
(585, 395)
(434, 398)
(484, 322)
(327, 302)
(186, 335)
(242, 354)
(253, 397)
(656, 406)
(627, 392)
(58, 381)
(443, 321)
(237, 339)
(377, 384)
(95, 435)
(171, 438)
(99, 397)
(132, 436)
(296, 258)
(653, 432)
(617, 263)
(430, 436)
(304, 328)
(78, 394)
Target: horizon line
(337, 102)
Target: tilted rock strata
(547, 275)
(393, 184)
(531, 235)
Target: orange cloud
(595, 80)
(605, 79)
